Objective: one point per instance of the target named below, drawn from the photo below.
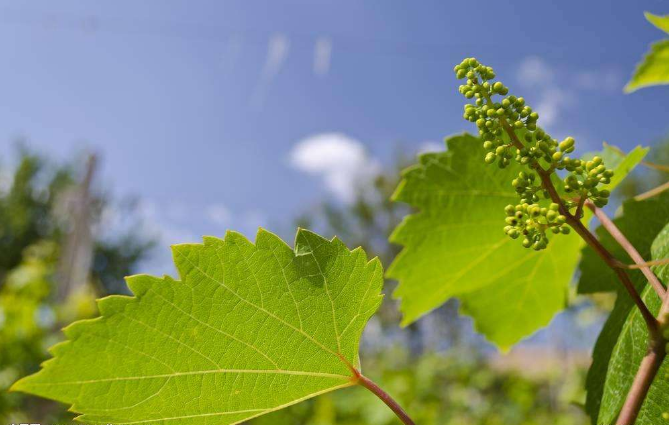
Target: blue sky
(200, 108)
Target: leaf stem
(613, 230)
(655, 191)
(659, 262)
(385, 397)
(650, 365)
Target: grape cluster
(532, 221)
(508, 128)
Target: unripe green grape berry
(473, 62)
(551, 215)
(561, 219)
(510, 210)
(565, 229)
(604, 193)
(487, 145)
(490, 158)
(566, 144)
(527, 243)
(600, 202)
(557, 156)
(665, 416)
(554, 207)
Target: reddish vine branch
(613, 230)
(657, 351)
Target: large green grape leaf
(454, 246)
(654, 68)
(248, 330)
(630, 348)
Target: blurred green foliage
(446, 390)
(31, 237)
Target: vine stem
(385, 397)
(650, 365)
(655, 191)
(613, 230)
(656, 354)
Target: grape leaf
(640, 223)
(248, 330)
(629, 350)
(654, 68)
(661, 22)
(455, 247)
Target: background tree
(34, 227)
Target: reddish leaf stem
(385, 397)
(647, 372)
(610, 226)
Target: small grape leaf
(248, 330)
(654, 68)
(454, 246)
(640, 222)
(630, 348)
(661, 22)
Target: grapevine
(542, 155)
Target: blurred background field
(129, 126)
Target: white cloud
(552, 102)
(549, 99)
(340, 160)
(322, 55)
(277, 53)
(430, 146)
(534, 71)
(219, 214)
(608, 80)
